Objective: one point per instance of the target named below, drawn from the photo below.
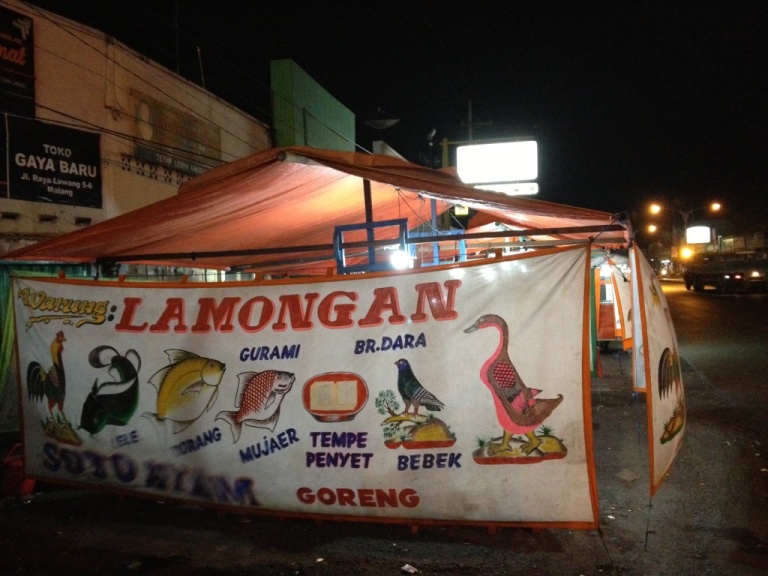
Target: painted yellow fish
(186, 388)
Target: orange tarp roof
(286, 198)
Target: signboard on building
(175, 138)
(52, 164)
(17, 63)
(456, 394)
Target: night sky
(629, 101)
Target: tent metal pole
(371, 245)
(369, 219)
(435, 245)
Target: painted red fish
(259, 395)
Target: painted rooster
(50, 384)
(517, 409)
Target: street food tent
(407, 396)
(289, 200)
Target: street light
(685, 214)
(654, 248)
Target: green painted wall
(305, 114)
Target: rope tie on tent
(641, 440)
(648, 523)
(605, 546)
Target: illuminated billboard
(508, 167)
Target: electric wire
(131, 73)
(194, 95)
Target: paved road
(725, 339)
(707, 519)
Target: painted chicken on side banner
(517, 409)
(671, 382)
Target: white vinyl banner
(623, 295)
(456, 394)
(639, 353)
(665, 396)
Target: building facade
(92, 129)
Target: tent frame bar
(525, 245)
(375, 243)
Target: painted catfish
(186, 388)
(258, 399)
(112, 403)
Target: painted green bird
(412, 392)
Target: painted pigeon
(412, 391)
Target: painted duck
(517, 409)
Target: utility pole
(470, 134)
(469, 120)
